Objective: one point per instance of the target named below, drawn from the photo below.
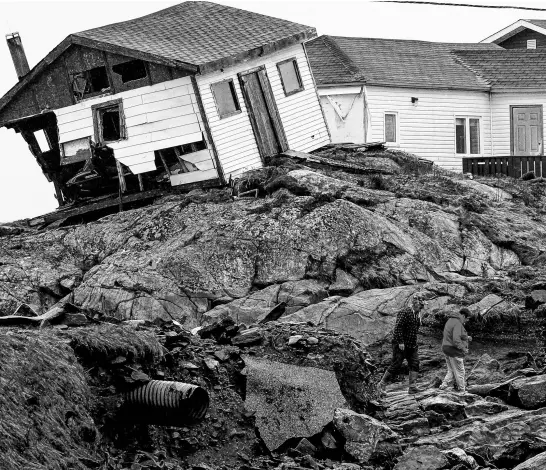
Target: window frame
(294, 60)
(233, 94)
(396, 143)
(97, 121)
(531, 44)
(467, 119)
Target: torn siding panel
(234, 136)
(345, 116)
(157, 117)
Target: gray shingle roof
(198, 33)
(392, 62)
(539, 23)
(514, 68)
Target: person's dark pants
(409, 354)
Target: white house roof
(535, 25)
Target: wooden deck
(514, 166)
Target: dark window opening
(109, 121)
(226, 98)
(460, 135)
(110, 124)
(130, 71)
(90, 82)
(290, 76)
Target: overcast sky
(24, 191)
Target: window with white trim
(467, 135)
(391, 127)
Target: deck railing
(513, 166)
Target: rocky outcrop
(538, 461)
(428, 457)
(370, 315)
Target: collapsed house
(193, 94)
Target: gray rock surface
(290, 401)
(535, 463)
(364, 435)
(425, 457)
(529, 392)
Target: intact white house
(440, 101)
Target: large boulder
(364, 436)
(486, 370)
(535, 299)
(290, 401)
(529, 392)
(443, 405)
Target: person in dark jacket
(404, 345)
(455, 348)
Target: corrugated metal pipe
(165, 402)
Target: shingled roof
(508, 69)
(200, 33)
(392, 62)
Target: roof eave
(503, 89)
(257, 52)
(484, 88)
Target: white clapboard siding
(351, 106)
(427, 128)
(193, 177)
(500, 107)
(157, 117)
(234, 137)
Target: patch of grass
(104, 342)
(44, 402)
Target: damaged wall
(300, 113)
(344, 111)
(156, 117)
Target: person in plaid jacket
(404, 345)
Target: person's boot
(383, 383)
(413, 382)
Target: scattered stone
(443, 405)
(486, 370)
(221, 355)
(526, 447)
(188, 365)
(364, 435)
(535, 299)
(211, 364)
(305, 447)
(312, 340)
(458, 456)
(344, 285)
(299, 401)
(328, 441)
(420, 458)
(294, 340)
(485, 407)
(247, 337)
(75, 319)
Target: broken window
(109, 121)
(131, 70)
(172, 159)
(90, 82)
(226, 98)
(74, 151)
(467, 136)
(290, 76)
(391, 128)
(43, 141)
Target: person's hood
(456, 315)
